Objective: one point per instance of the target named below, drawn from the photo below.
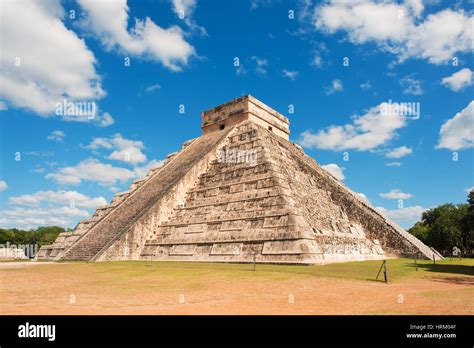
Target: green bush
(448, 226)
(40, 236)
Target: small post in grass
(254, 257)
(434, 259)
(416, 264)
(385, 273)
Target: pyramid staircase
(91, 236)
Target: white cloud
(254, 4)
(98, 143)
(393, 164)
(142, 171)
(317, 60)
(3, 106)
(291, 74)
(153, 88)
(102, 173)
(363, 20)
(399, 152)
(364, 197)
(43, 62)
(398, 27)
(405, 217)
(115, 142)
(260, 65)
(411, 86)
(61, 197)
(57, 135)
(125, 150)
(336, 86)
(184, 7)
(109, 21)
(28, 218)
(3, 185)
(365, 86)
(121, 142)
(396, 194)
(469, 189)
(335, 170)
(458, 133)
(416, 7)
(130, 154)
(105, 120)
(47, 208)
(441, 36)
(91, 170)
(366, 132)
(319, 48)
(240, 71)
(459, 80)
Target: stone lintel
(242, 109)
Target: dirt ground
(183, 288)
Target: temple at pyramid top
(242, 109)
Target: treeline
(40, 236)
(448, 226)
(443, 228)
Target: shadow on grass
(455, 280)
(453, 269)
(377, 280)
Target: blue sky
(334, 62)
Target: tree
(467, 223)
(447, 226)
(40, 236)
(444, 223)
(420, 231)
(47, 235)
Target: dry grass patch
(144, 287)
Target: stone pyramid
(242, 192)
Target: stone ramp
(111, 226)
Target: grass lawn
(144, 287)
